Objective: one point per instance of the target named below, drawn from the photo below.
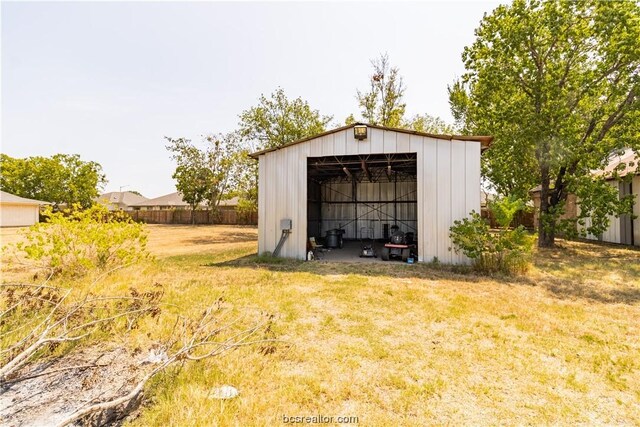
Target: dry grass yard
(395, 344)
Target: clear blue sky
(109, 80)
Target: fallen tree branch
(200, 336)
(54, 371)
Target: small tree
(205, 174)
(222, 167)
(190, 173)
(246, 185)
(382, 104)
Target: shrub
(505, 250)
(504, 209)
(75, 241)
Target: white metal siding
(448, 187)
(14, 215)
(612, 233)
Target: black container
(333, 238)
(408, 237)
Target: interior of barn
(362, 207)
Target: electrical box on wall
(285, 224)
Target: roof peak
(484, 140)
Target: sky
(108, 80)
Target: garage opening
(358, 204)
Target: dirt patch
(51, 391)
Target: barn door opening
(357, 200)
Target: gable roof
(629, 157)
(12, 198)
(125, 197)
(171, 199)
(175, 199)
(484, 140)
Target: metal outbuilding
(362, 179)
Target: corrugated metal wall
(635, 186)
(448, 187)
(372, 209)
(612, 233)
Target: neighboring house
(230, 203)
(18, 211)
(486, 198)
(361, 180)
(624, 230)
(570, 206)
(168, 201)
(175, 201)
(120, 200)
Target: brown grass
(395, 344)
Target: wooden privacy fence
(521, 218)
(226, 215)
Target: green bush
(76, 241)
(504, 250)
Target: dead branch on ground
(63, 320)
(192, 340)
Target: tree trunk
(546, 237)
(546, 228)
(193, 215)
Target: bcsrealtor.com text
(319, 419)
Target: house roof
(121, 197)
(172, 199)
(175, 199)
(629, 158)
(484, 140)
(231, 202)
(12, 198)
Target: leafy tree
(60, 179)
(204, 175)
(190, 173)
(429, 124)
(557, 84)
(274, 122)
(246, 184)
(221, 154)
(382, 104)
(277, 121)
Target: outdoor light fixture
(360, 132)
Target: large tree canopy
(60, 179)
(277, 120)
(557, 83)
